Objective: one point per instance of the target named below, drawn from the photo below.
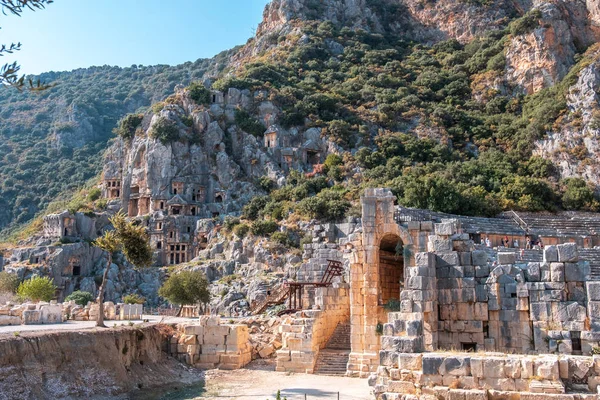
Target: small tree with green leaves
(9, 73)
(38, 288)
(80, 297)
(199, 93)
(186, 288)
(129, 238)
(133, 298)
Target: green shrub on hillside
(36, 289)
(128, 125)
(263, 228)
(164, 130)
(526, 23)
(283, 238)
(577, 194)
(133, 298)
(80, 297)
(248, 123)
(241, 230)
(8, 282)
(94, 194)
(199, 93)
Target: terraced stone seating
(474, 225)
(593, 256)
(563, 224)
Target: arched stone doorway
(384, 249)
(391, 269)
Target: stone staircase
(333, 359)
(593, 256)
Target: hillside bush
(8, 282)
(577, 194)
(526, 23)
(128, 125)
(80, 297)
(164, 130)
(133, 298)
(248, 123)
(241, 230)
(36, 289)
(199, 93)
(263, 228)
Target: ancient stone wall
(478, 376)
(306, 332)
(209, 344)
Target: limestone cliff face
(575, 148)
(456, 19)
(75, 266)
(425, 21)
(542, 57)
(209, 170)
(73, 365)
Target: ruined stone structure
(208, 344)
(422, 285)
(176, 187)
(66, 225)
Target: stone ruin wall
(54, 313)
(208, 344)
(459, 296)
(306, 332)
(493, 376)
(456, 296)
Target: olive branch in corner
(9, 73)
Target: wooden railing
(293, 290)
(277, 296)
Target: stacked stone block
(306, 332)
(208, 344)
(486, 376)
(31, 313)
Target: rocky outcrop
(573, 147)
(75, 266)
(423, 21)
(542, 57)
(73, 365)
(462, 20)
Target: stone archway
(380, 238)
(391, 269)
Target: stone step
(340, 339)
(332, 362)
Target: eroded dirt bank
(87, 364)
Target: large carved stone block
(568, 252)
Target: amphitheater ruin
(428, 312)
(425, 305)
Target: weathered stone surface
(506, 258)
(456, 366)
(550, 254)
(567, 252)
(479, 257)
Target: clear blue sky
(70, 34)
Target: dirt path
(253, 384)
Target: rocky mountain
(466, 107)
(52, 141)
